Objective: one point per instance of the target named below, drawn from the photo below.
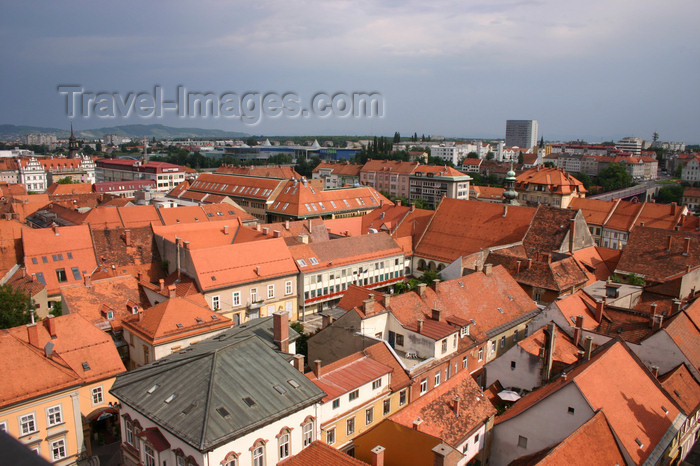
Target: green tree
(251, 141)
(66, 180)
(670, 193)
(57, 309)
(15, 307)
(490, 156)
(521, 158)
(472, 155)
(428, 277)
(583, 178)
(397, 137)
(614, 177)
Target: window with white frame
(376, 384)
(308, 433)
(129, 433)
(369, 416)
(424, 386)
(493, 346)
(215, 302)
(253, 295)
(288, 288)
(444, 345)
(27, 424)
(97, 395)
(481, 354)
(270, 291)
(54, 415)
(58, 449)
(284, 445)
(465, 362)
(236, 298)
(330, 436)
(149, 455)
(350, 426)
(437, 378)
(233, 462)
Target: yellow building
(361, 390)
(54, 392)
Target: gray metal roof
(223, 388)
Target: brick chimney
(436, 285)
(317, 368)
(378, 455)
(420, 325)
(50, 323)
(258, 227)
(33, 334)
(172, 291)
(421, 289)
(657, 323)
(299, 362)
(549, 344)
(161, 283)
(368, 304)
(265, 231)
(652, 313)
(578, 329)
(529, 264)
(686, 250)
(436, 314)
(517, 266)
(226, 229)
(326, 320)
(487, 269)
(599, 307)
(668, 246)
(417, 423)
(444, 455)
(280, 328)
(276, 234)
(87, 279)
(387, 299)
(505, 210)
(455, 405)
(186, 244)
(286, 224)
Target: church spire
(510, 195)
(72, 144)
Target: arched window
(231, 459)
(258, 452)
(307, 430)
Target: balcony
(253, 305)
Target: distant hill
(131, 131)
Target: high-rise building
(521, 133)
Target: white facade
(32, 176)
(691, 171)
(631, 144)
(241, 449)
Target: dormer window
(464, 331)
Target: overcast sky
(595, 70)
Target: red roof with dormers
(259, 189)
(209, 234)
(48, 250)
(342, 169)
(392, 166)
(82, 354)
(281, 172)
(683, 388)
(553, 179)
(318, 453)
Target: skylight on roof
(223, 412)
(86, 366)
(280, 389)
(214, 317)
(178, 325)
(249, 401)
(301, 262)
(170, 398)
(199, 320)
(152, 389)
(500, 310)
(293, 383)
(313, 261)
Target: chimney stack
(677, 305)
(578, 330)
(387, 299)
(455, 405)
(265, 231)
(286, 224)
(655, 371)
(572, 234)
(487, 269)
(444, 455)
(309, 225)
(529, 264)
(505, 210)
(33, 334)
(317, 368)
(599, 307)
(88, 280)
(653, 313)
(588, 348)
(281, 330)
(687, 247)
(657, 323)
(51, 325)
(436, 314)
(171, 291)
(140, 315)
(368, 304)
(436, 284)
(127, 237)
(226, 229)
(668, 246)
(187, 244)
(258, 227)
(378, 455)
(421, 289)
(161, 282)
(299, 362)
(550, 341)
(276, 234)
(420, 325)
(417, 423)
(517, 266)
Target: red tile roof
(209, 234)
(393, 166)
(175, 319)
(318, 453)
(348, 374)
(11, 251)
(48, 250)
(259, 189)
(554, 179)
(265, 171)
(615, 382)
(459, 228)
(437, 410)
(686, 335)
(380, 352)
(683, 388)
(256, 260)
(341, 169)
(595, 212)
(28, 373)
(65, 189)
(592, 263)
(565, 352)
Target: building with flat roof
(521, 133)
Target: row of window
(369, 418)
(236, 296)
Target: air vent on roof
(189, 408)
(510, 297)
(500, 310)
(223, 412)
(664, 409)
(213, 278)
(86, 366)
(153, 388)
(677, 394)
(639, 442)
(199, 320)
(473, 321)
(461, 285)
(178, 325)
(170, 398)
(280, 389)
(214, 317)
(249, 401)
(293, 383)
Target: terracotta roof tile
(595, 212)
(318, 453)
(459, 228)
(28, 373)
(554, 179)
(686, 336)
(393, 166)
(348, 374)
(437, 410)
(209, 234)
(341, 169)
(683, 388)
(265, 171)
(565, 351)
